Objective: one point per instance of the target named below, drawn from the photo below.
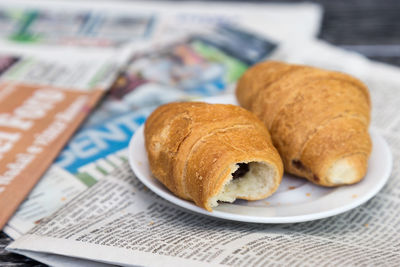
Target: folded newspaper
(114, 24)
(119, 221)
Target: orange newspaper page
(42, 103)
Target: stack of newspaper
(88, 207)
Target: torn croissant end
(211, 153)
(251, 181)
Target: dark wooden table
(367, 26)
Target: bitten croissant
(318, 119)
(211, 152)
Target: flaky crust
(192, 146)
(318, 119)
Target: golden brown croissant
(318, 119)
(211, 152)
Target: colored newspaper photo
(42, 103)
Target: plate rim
(190, 206)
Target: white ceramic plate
(296, 199)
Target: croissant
(211, 152)
(318, 119)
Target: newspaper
(100, 146)
(43, 99)
(119, 221)
(114, 24)
(202, 63)
(205, 58)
